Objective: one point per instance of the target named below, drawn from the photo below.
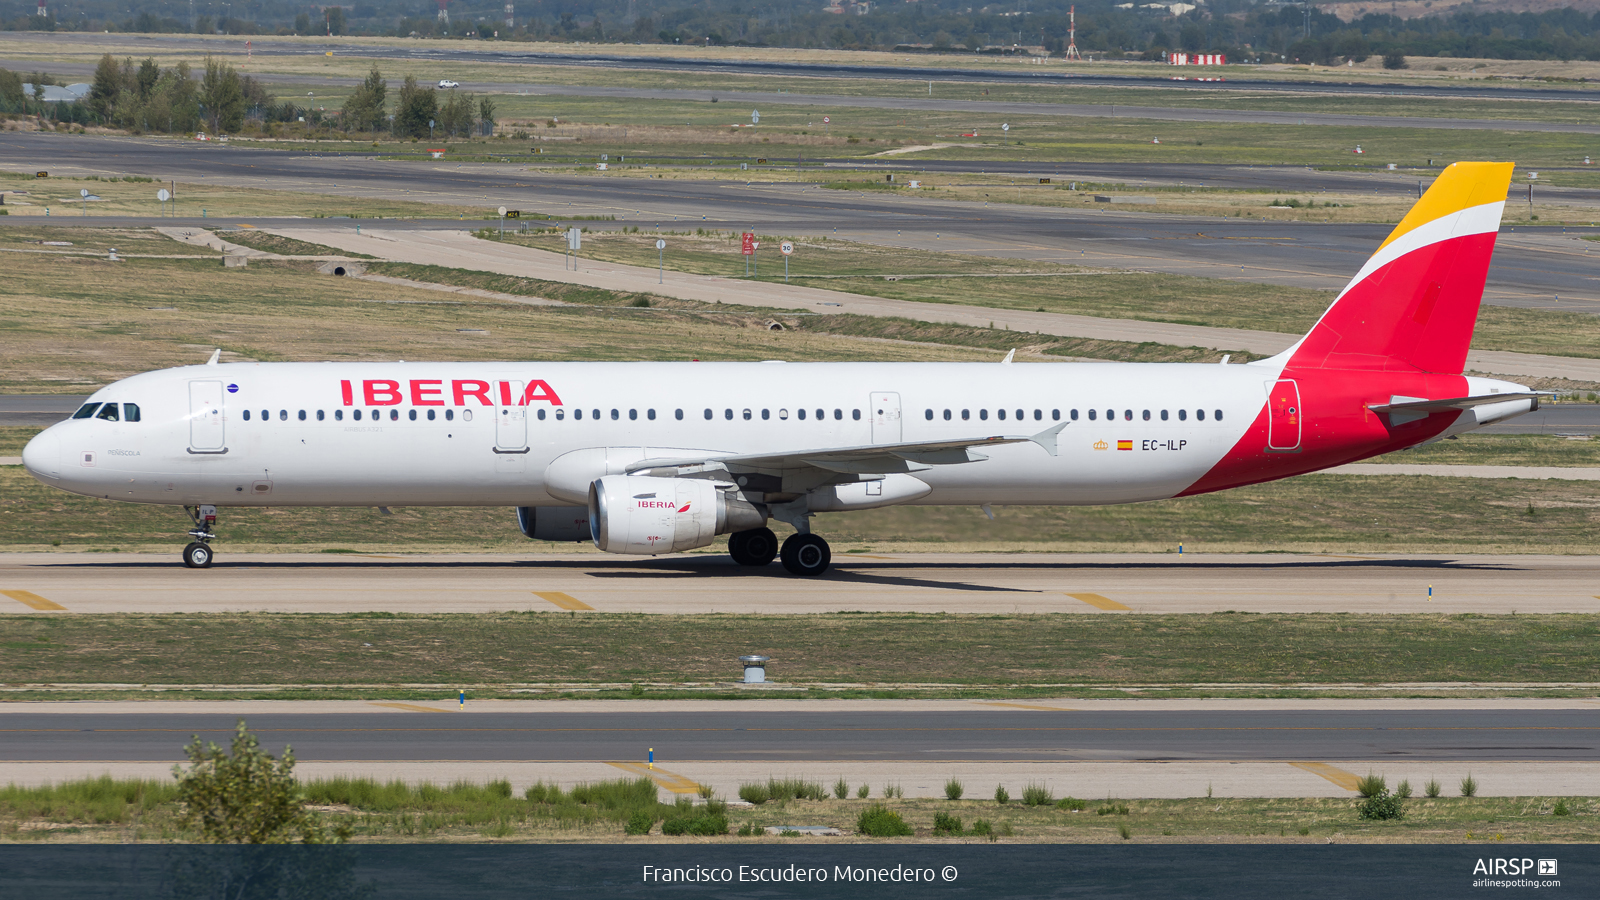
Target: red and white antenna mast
(444, 15)
(1072, 35)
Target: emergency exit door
(510, 419)
(1283, 416)
(885, 418)
(206, 426)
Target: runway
(1023, 583)
(1532, 266)
(1082, 748)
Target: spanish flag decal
(1124, 445)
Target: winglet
(1009, 357)
(215, 355)
(1047, 438)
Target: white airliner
(660, 457)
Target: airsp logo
(1547, 867)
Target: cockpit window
(130, 412)
(86, 411)
(108, 412)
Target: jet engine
(648, 515)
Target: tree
(223, 95)
(247, 796)
(416, 107)
(455, 117)
(302, 23)
(1394, 59)
(365, 110)
(107, 85)
(336, 20)
(149, 73)
(486, 115)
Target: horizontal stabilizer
(1408, 404)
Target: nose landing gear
(198, 554)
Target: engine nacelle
(647, 515)
(554, 523)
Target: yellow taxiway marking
(1024, 706)
(408, 707)
(1332, 773)
(29, 598)
(565, 601)
(1097, 601)
(670, 780)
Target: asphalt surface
(1532, 266)
(498, 52)
(998, 734)
(873, 581)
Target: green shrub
(1112, 809)
(756, 793)
(953, 789)
(1305, 830)
(245, 795)
(705, 824)
(862, 792)
(841, 789)
(1403, 789)
(1001, 795)
(640, 822)
(878, 820)
(1382, 807)
(893, 791)
(1561, 808)
(1072, 803)
(944, 823)
(750, 829)
(794, 789)
(1372, 785)
(1124, 830)
(1469, 786)
(982, 828)
(1037, 795)
(1432, 788)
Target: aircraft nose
(42, 456)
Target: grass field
(58, 196)
(123, 811)
(493, 654)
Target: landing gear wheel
(755, 547)
(197, 556)
(806, 554)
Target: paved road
(1533, 266)
(774, 737)
(485, 52)
(37, 409)
(1086, 583)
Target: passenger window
(801, 414)
(727, 414)
(966, 414)
(577, 414)
(928, 415)
(678, 414)
(983, 415)
(1147, 415)
(246, 415)
(1217, 414)
(596, 414)
(394, 415)
(86, 411)
(1183, 415)
(747, 415)
(560, 414)
(1111, 415)
(322, 416)
(412, 415)
(466, 415)
(821, 414)
(947, 415)
(283, 415)
(130, 412)
(338, 415)
(375, 415)
(450, 414)
(1001, 414)
(302, 415)
(431, 413)
(1091, 415)
(1021, 415)
(633, 415)
(855, 414)
(708, 415)
(615, 415)
(1127, 414)
(355, 414)
(266, 415)
(1038, 415)
(838, 414)
(1163, 415)
(765, 415)
(1200, 414)
(541, 414)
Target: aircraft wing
(870, 459)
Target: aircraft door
(510, 420)
(885, 418)
(206, 425)
(1283, 416)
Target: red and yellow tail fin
(1413, 306)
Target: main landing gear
(802, 554)
(198, 554)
